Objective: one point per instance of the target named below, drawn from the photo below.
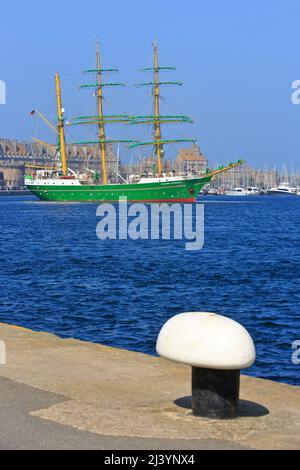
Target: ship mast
(101, 120)
(157, 119)
(61, 125)
(100, 113)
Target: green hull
(172, 191)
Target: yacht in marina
(283, 189)
(240, 191)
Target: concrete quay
(70, 394)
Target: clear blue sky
(237, 59)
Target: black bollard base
(215, 393)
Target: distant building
(191, 160)
(15, 155)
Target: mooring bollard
(217, 348)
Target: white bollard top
(207, 340)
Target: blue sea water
(57, 276)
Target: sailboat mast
(61, 131)
(157, 115)
(100, 113)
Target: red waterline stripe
(180, 200)
(144, 201)
(192, 199)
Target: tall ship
(62, 184)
